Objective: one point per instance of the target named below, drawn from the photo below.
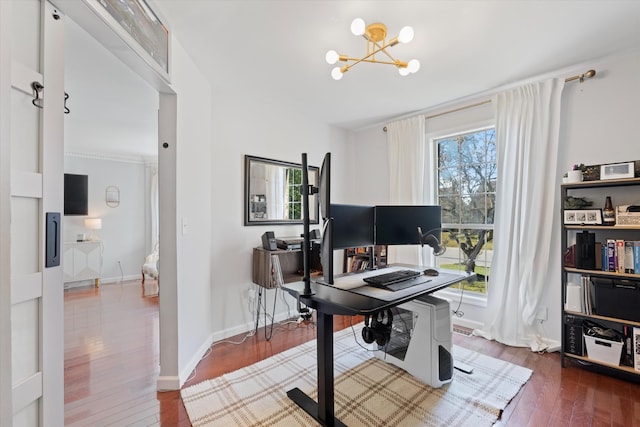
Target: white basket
(603, 350)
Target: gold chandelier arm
(383, 49)
(376, 61)
(370, 54)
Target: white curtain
(276, 191)
(525, 248)
(407, 168)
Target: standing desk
(330, 300)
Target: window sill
(467, 298)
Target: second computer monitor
(352, 226)
(398, 225)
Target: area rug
(368, 391)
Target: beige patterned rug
(368, 391)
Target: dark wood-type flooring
(111, 366)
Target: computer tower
(421, 340)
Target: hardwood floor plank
(112, 364)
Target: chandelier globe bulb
(357, 27)
(336, 73)
(404, 71)
(332, 57)
(414, 66)
(406, 34)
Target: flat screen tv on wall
(76, 194)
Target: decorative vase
(574, 176)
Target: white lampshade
(358, 27)
(406, 35)
(404, 71)
(93, 223)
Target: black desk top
(333, 300)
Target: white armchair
(150, 266)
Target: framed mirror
(272, 192)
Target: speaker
(269, 241)
(573, 339)
(586, 250)
(380, 329)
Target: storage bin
(603, 350)
(619, 298)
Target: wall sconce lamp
(93, 224)
(112, 196)
(376, 35)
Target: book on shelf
(620, 256)
(587, 295)
(358, 264)
(276, 271)
(627, 353)
(611, 255)
(636, 349)
(628, 257)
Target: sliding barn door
(32, 314)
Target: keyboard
(386, 279)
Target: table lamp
(93, 224)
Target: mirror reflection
(272, 192)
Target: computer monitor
(306, 246)
(398, 224)
(324, 199)
(352, 226)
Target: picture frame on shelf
(617, 171)
(583, 216)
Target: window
(466, 183)
(294, 196)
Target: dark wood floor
(111, 366)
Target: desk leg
(323, 411)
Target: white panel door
(32, 354)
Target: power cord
(457, 311)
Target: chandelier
(375, 34)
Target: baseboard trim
(467, 323)
(168, 383)
(191, 365)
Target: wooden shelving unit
(626, 191)
(361, 258)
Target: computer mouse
(431, 272)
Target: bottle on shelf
(608, 214)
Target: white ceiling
(275, 48)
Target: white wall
(123, 227)
(246, 125)
(113, 110)
(599, 125)
(194, 170)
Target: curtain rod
(580, 77)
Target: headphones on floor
(380, 329)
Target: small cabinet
(273, 268)
(82, 261)
(599, 292)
